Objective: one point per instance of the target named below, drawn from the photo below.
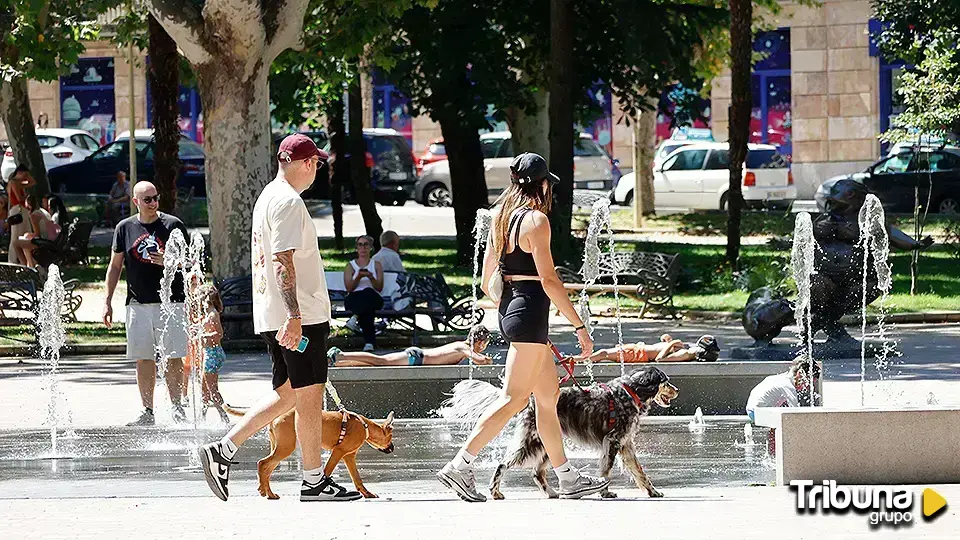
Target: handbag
(495, 286)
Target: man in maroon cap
(291, 312)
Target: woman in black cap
(519, 244)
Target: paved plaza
(142, 483)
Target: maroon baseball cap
(298, 147)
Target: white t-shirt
(389, 260)
(774, 391)
(364, 282)
(281, 223)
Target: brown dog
(357, 431)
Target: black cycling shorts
(524, 312)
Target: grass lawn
(87, 208)
(706, 283)
(775, 223)
(81, 332)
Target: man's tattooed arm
(287, 282)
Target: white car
(696, 176)
(59, 147)
(593, 169)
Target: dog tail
(236, 411)
(469, 400)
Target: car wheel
(723, 202)
(949, 206)
(628, 200)
(437, 195)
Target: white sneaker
(368, 347)
(353, 324)
(583, 486)
(461, 482)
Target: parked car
(593, 169)
(434, 151)
(390, 159)
(97, 172)
(320, 189)
(144, 133)
(681, 136)
(58, 146)
(894, 180)
(697, 176)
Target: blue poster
(87, 98)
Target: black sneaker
(216, 468)
(146, 419)
(326, 490)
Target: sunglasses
(150, 199)
(363, 244)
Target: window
(668, 149)
(765, 159)
(718, 160)
(587, 148)
(387, 146)
(938, 161)
(112, 151)
(79, 142)
(92, 143)
(490, 147)
(190, 150)
(48, 141)
(506, 149)
(893, 165)
(87, 98)
(686, 160)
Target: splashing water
(52, 338)
(590, 271)
(697, 423)
(186, 259)
(481, 230)
(616, 295)
(801, 260)
(874, 241)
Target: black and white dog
(604, 417)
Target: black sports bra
(518, 262)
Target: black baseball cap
(530, 167)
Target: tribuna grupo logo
(884, 505)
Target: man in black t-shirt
(138, 244)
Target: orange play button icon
(933, 502)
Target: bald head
(147, 201)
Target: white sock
(229, 449)
(313, 476)
(463, 460)
(566, 473)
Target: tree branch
(185, 25)
(236, 25)
(283, 24)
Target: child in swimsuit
(668, 350)
(208, 349)
(449, 354)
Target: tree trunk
(231, 45)
(359, 173)
(561, 125)
(646, 136)
(341, 174)
(467, 180)
(530, 129)
(18, 120)
(741, 50)
(164, 80)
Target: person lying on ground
(667, 350)
(445, 355)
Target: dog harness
(612, 406)
(343, 425)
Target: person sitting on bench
(445, 355)
(668, 350)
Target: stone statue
(836, 287)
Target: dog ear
(389, 421)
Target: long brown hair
(530, 195)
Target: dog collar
(636, 398)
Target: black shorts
(302, 369)
(524, 312)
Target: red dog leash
(568, 364)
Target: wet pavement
(158, 462)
